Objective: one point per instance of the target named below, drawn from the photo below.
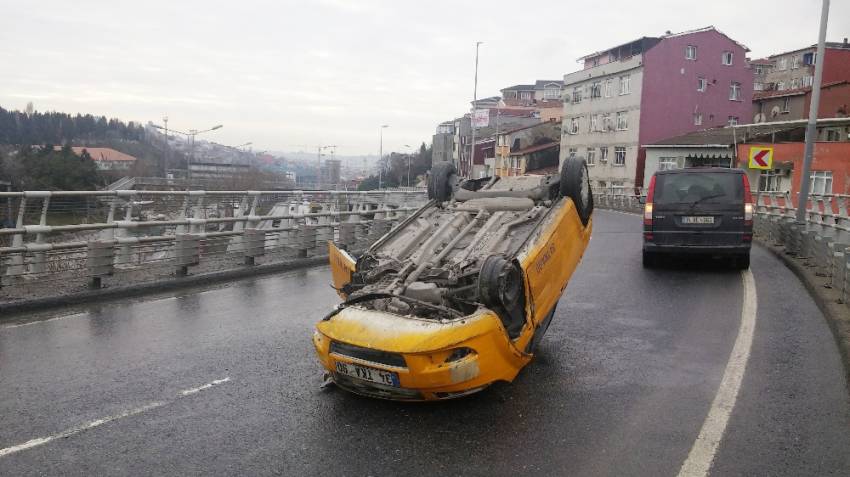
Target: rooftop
(100, 153)
(535, 148)
(836, 45)
(653, 40)
(728, 135)
(793, 92)
(519, 87)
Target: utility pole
(472, 119)
(165, 151)
(811, 128)
(381, 155)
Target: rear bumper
(740, 249)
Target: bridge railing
(822, 243)
(98, 238)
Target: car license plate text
(387, 378)
(706, 219)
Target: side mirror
(641, 199)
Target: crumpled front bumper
(426, 370)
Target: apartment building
(649, 89)
(784, 92)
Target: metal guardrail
(823, 242)
(92, 235)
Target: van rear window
(705, 187)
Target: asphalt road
(223, 381)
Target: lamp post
(381, 155)
(472, 119)
(190, 136)
(811, 126)
(408, 164)
(165, 151)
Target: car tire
(442, 181)
(500, 288)
(650, 260)
(575, 184)
(742, 262)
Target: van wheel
(442, 181)
(575, 184)
(650, 260)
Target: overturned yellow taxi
(458, 295)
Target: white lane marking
(705, 447)
(76, 430)
(19, 325)
(205, 386)
(105, 420)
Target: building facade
(442, 143)
(650, 89)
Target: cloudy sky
(290, 75)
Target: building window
(594, 122)
(596, 90)
(821, 182)
(780, 86)
(807, 81)
(607, 125)
(782, 64)
(735, 91)
(732, 121)
(795, 62)
(697, 119)
(619, 156)
(701, 84)
(617, 188)
(525, 95)
(573, 125)
(591, 156)
(759, 69)
(810, 58)
(622, 120)
(572, 152)
(786, 105)
(552, 93)
(833, 135)
(603, 154)
(726, 58)
(758, 86)
(577, 94)
(625, 84)
(667, 163)
(690, 52)
(609, 87)
(770, 181)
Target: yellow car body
(383, 354)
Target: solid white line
(99, 422)
(205, 386)
(705, 447)
(29, 323)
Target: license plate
(387, 378)
(704, 219)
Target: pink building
(650, 89)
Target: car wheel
(650, 260)
(575, 184)
(501, 288)
(742, 262)
(442, 181)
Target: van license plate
(705, 219)
(387, 378)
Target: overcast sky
(290, 75)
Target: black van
(706, 211)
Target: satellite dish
(774, 112)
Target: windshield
(701, 187)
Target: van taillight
(647, 208)
(748, 202)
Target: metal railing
(822, 243)
(123, 236)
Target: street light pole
(472, 119)
(165, 151)
(408, 164)
(811, 127)
(381, 155)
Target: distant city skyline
(290, 76)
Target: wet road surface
(223, 381)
